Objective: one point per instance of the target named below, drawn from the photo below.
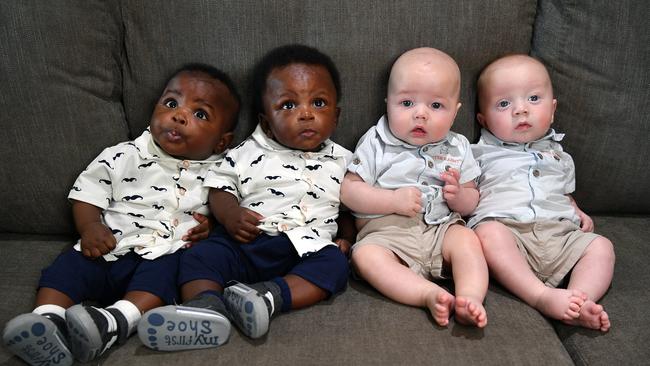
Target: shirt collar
(490, 139)
(148, 149)
(386, 135)
(327, 147)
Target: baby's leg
(593, 275)
(463, 250)
(385, 271)
(510, 268)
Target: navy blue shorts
(82, 278)
(222, 259)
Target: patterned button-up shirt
(146, 195)
(297, 192)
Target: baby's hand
(452, 189)
(241, 223)
(97, 240)
(344, 245)
(200, 231)
(586, 223)
(408, 201)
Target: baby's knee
(602, 248)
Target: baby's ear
(554, 109)
(224, 142)
(264, 123)
(481, 119)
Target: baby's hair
(215, 74)
(284, 56)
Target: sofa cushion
(363, 39)
(358, 327)
(61, 94)
(597, 53)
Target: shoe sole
(176, 328)
(37, 340)
(85, 339)
(248, 309)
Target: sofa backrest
(79, 76)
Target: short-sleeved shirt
(384, 161)
(147, 196)
(296, 191)
(524, 182)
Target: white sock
(130, 312)
(49, 308)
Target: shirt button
(425, 183)
(425, 149)
(430, 164)
(540, 156)
(356, 161)
(186, 164)
(181, 191)
(536, 173)
(307, 155)
(175, 222)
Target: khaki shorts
(552, 248)
(415, 242)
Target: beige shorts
(552, 248)
(415, 242)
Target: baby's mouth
(418, 132)
(308, 133)
(523, 126)
(173, 136)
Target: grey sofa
(80, 75)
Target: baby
(409, 183)
(532, 232)
(134, 207)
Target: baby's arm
(461, 198)
(361, 197)
(586, 223)
(96, 238)
(241, 223)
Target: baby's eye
(436, 105)
(170, 103)
(288, 105)
(406, 103)
(533, 98)
(201, 114)
(319, 103)
(503, 104)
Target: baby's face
(516, 100)
(422, 99)
(300, 109)
(192, 116)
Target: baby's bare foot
(592, 316)
(470, 312)
(560, 304)
(440, 304)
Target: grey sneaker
(176, 327)
(37, 340)
(94, 330)
(250, 310)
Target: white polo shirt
(384, 161)
(524, 182)
(297, 192)
(148, 196)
